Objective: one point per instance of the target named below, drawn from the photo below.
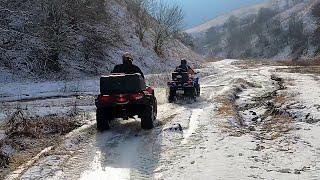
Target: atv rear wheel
(172, 99)
(198, 90)
(193, 95)
(155, 108)
(148, 117)
(172, 95)
(103, 119)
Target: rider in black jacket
(184, 67)
(127, 66)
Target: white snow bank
(42, 90)
(32, 90)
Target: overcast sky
(200, 11)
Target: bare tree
(168, 21)
(62, 20)
(140, 10)
(316, 34)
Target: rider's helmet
(127, 57)
(183, 62)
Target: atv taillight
(106, 99)
(150, 90)
(136, 96)
(122, 99)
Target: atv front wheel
(103, 119)
(148, 117)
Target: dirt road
(250, 123)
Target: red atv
(125, 96)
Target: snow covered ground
(249, 123)
(44, 98)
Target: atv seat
(121, 83)
(180, 76)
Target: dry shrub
(30, 135)
(19, 124)
(277, 126)
(227, 109)
(280, 123)
(281, 99)
(4, 160)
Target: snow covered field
(250, 123)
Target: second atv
(183, 86)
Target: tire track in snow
(125, 152)
(193, 124)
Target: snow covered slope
(278, 29)
(220, 20)
(39, 40)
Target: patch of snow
(307, 89)
(7, 149)
(32, 90)
(2, 135)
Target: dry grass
(301, 70)
(251, 64)
(213, 59)
(231, 130)
(27, 148)
(281, 99)
(21, 125)
(302, 66)
(276, 127)
(227, 108)
(310, 62)
(299, 66)
(4, 160)
(30, 135)
(4, 164)
(279, 121)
